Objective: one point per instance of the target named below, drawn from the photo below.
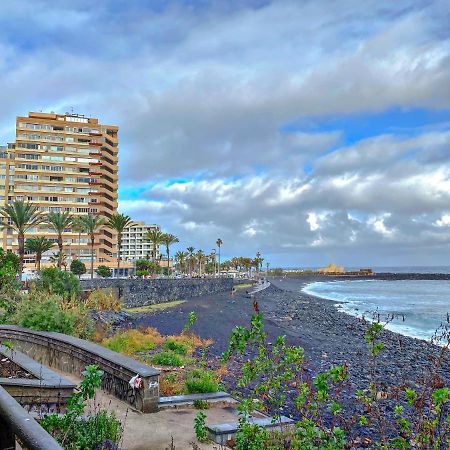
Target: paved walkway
(155, 430)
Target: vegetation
(153, 308)
(168, 240)
(404, 417)
(155, 237)
(78, 267)
(20, 217)
(9, 287)
(201, 381)
(118, 222)
(38, 246)
(90, 225)
(59, 221)
(103, 300)
(55, 281)
(130, 342)
(50, 312)
(168, 359)
(75, 432)
(103, 271)
(201, 431)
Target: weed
(201, 381)
(168, 359)
(200, 427)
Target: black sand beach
(327, 335)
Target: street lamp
(213, 254)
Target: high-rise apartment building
(134, 246)
(63, 162)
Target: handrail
(23, 425)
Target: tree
(190, 251)
(180, 258)
(201, 258)
(38, 246)
(59, 221)
(22, 216)
(168, 240)
(77, 227)
(58, 258)
(118, 222)
(103, 271)
(90, 225)
(219, 243)
(155, 237)
(78, 267)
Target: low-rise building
(135, 246)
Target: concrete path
(155, 430)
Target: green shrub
(55, 281)
(75, 432)
(103, 300)
(44, 312)
(78, 267)
(201, 381)
(201, 432)
(103, 271)
(167, 359)
(177, 347)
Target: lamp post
(219, 243)
(213, 254)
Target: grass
(133, 341)
(243, 286)
(153, 308)
(201, 381)
(179, 348)
(168, 359)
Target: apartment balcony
(94, 203)
(94, 172)
(95, 133)
(96, 143)
(94, 183)
(98, 154)
(95, 163)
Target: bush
(201, 381)
(167, 359)
(103, 271)
(43, 312)
(55, 281)
(132, 341)
(75, 432)
(78, 267)
(142, 273)
(103, 300)
(177, 347)
(9, 286)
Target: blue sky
(309, 131)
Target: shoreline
(328, 336)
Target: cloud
(205, 94)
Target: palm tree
(190, 251)
(168, 240)
(155, 237)
(59, 258)
(219, 243)
(77, 227)
(22, 216)
(201, 259)
(59, 221)
(180, 258)
(118, 222)
(38, 246)
(90, 225)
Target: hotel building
(63, 162)
(134, 246)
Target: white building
(133, 244)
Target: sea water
(424, 304)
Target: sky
(310, 131)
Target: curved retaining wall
(71, 355)
(141, 292)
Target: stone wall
(71, 355)
(141, 292)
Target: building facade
(134, 246)
(63, 162)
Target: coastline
(327, 335)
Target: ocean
(421, 305)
